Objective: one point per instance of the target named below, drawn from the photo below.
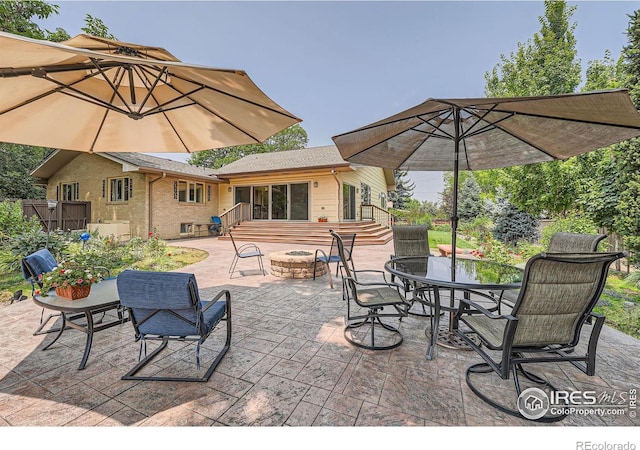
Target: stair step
(310, 233)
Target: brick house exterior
(176, 199)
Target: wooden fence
(66, 215)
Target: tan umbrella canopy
(489, 133)
(100, 95)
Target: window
(190, 192)
(120, 189)
(383, 200)
(185, 228)
(70, 191)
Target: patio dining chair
(558, 294)
(413, 240)
(368, 303)
(320, 256)
(166, 306)
(561, 242)
(245, 251)
(33, 267)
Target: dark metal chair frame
(522, 341)
(372, 296)
(160, 324)
(348, 241)
(245, 251)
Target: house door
(260, 202)
(348, 202)
(300, 201)
(279, 204)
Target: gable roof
(301, 159)
(131, 162)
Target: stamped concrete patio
(289, 365)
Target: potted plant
(70, 279)
(323, 219)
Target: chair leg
(484, 368)
(372, 321)
(233, 265)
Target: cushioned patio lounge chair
(368, 302)
(245, 251)
(559, 291)
(166, 306)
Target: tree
(17, 162)
(16, 17)
(628, 153)
(470, 204)
(512, 225)
(404, 189)
(291, 138)
(546, 65)
(95, 27)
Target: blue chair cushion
(173, 297)
(40, 262)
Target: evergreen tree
(404, 189)
(470, 204)
(512, 225)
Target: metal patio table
(471, 276)
(103, 297)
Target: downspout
(164, 174)
(335, 176)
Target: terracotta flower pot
(73, 292)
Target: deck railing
(378, 215)
(239, 213)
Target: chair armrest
(226, 294)
(324, 255)
(375, 283)
(248, 246)
(382, 272)
(105, 269)
(463, 303)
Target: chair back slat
(410, 240)
(166, 303)
(562, 242)
(558, 293)
(346, 262)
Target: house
(139, 192)
(303, 185)
(176, 199)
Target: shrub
(572, 223)
(513, 225)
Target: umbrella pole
(456, 168)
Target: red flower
(150, 233)
(37, 292)
(79, 281)
(169, 254)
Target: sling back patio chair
(558, 294)
(413, 240)
(561, 242)
(166, 306)
(36, 265)
(368, 302)
(348, 241)
(245, 251)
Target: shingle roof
(162, 164)
(305, 158)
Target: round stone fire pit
(295, 264)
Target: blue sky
(340, 65)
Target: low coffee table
(103, 297)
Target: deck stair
(316, 233)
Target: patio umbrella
(99, 95)
(490, 133)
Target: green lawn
(444, 237)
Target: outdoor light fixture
(51, 205)
(315, 184)
(229, 189)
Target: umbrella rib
(113, 87)
(251, 102)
